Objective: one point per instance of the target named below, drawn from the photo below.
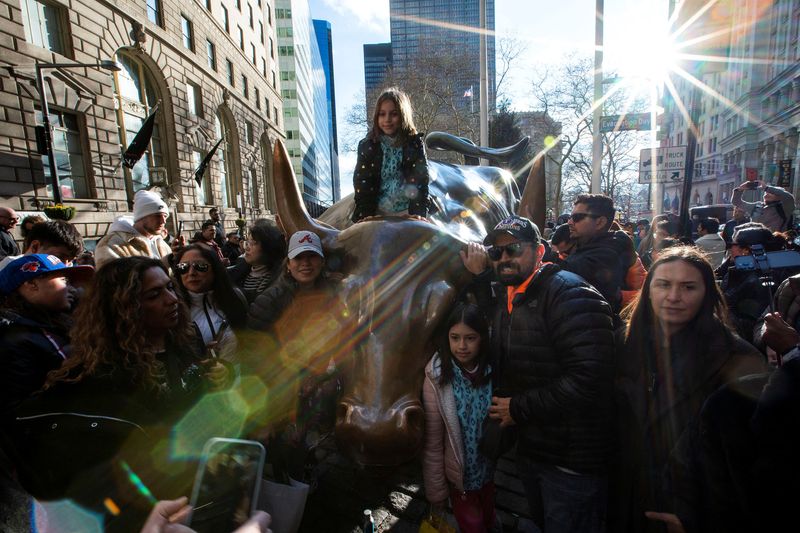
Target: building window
(154, 11)
(229, 65)
(43, 25)
(241, 38)
(250, 15)
(263, 67)
(269, 14)
(283, 13)
(203, 190)
(194, 99)
(258, 98)
(289, 93)
(224, 157)
(256, 201)
(226, 23)
(275, 114)
(239, 5)
(261, 31)
(287, 75)
(208, 5)
(274, 82)
(253, 53)
(292, 134)
(249, 132)
(244, 85)
(68, 151)
(211, 53)
(271, 48)
(187, 32)
(266, 106)
(136, 95)
(285, 32)
(286, 50)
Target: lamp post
(106, 64)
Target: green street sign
(629, 121)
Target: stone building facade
(207, 68)
(748, 115)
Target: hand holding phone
(227, 484)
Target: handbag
(496, 441)
(435, 523)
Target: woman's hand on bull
(501, 410)
(475, 258)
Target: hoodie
(123, 240)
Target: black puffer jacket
(603, 262)
(32, 347)
(367, 176)
(555, 359)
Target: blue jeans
(562, 502)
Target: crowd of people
(648, 382)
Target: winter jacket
(367, 176)
(71, 440)
(774, 215)
(660, 403)
(443, 452)
(603, 261)
(8, 246)
(122, 240)
(714, 247)
(555, 360)
(32, 346)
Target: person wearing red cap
(35, 299)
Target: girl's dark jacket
(367, 176)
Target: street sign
(668, 159)
(629, 121)
(665, 176)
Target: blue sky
(550, 30)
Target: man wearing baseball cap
(553, 340)
(141, 236)
(35, 297)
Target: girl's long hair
(471, 315)
(225, 296)
(711, 322)
(403, 105)
(109, 332)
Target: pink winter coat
(443, 454)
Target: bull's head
(400, 280)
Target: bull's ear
(533, 204)
(438, 301)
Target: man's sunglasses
(183, 268)
(513, 250)
(577, 217)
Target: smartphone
(226, 486)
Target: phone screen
(226, 488)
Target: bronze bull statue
(400, 279)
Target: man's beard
(510, 279)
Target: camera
(767, 261)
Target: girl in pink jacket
(457, 393)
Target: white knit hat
(148, 203)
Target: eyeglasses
(183, 268)
(577, 217)
(513, 250)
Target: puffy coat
(604, 262)
(367, 176)
(443, 452)
(775, 215)
(556, 359)
(122, 240)
(32, 347)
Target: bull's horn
(533, 203)
(292, 211)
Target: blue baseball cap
(28, 267)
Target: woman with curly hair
(677, 350)
(215, 305)
(136, 367)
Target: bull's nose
(374, 436)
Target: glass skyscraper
(322, 29)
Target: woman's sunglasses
(183, 268)
(513, 250)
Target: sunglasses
(513, 250)
(577, 217)
(183, 268)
